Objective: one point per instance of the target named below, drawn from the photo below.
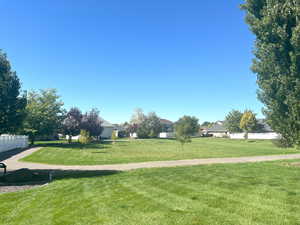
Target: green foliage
(186, 127)
(114, 136)
(248, 122)
(183, 139)
(71, 124)
(207, 124)
(91, 122)
(12, 103)
(232, 121)
(281, 143)
(44, 112)
(276, 25)
(150, 127)
(85, 137)
(138, 116)
(31, 133)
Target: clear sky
(173, 57)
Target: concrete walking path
(13, 163)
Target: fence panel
(9, 142)
(259, 136)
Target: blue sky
(172, 57)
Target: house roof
(265, 126)
(165, 121)
(106, 123)
(217, 127)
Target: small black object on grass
(3, 166)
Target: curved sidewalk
(14, 163)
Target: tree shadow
(24, 177)
(11, 153)
(73, 145)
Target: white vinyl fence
(257, 136)
(8, 142)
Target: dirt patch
(295, 164)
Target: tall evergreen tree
(232, 121)
(12, 102)
(276, 24)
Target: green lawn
(231, 194)
(150, 150)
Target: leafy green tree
(12, 102)
(72, 122)
(150, 127)
(232, 121)
(44, 114)
(114, 136)
(276, 25)
(138, 117)
(248, 122)
(92, 123)
(207, 124)
(85, 137)
(185, 128)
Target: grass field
(150, 150)
(232, 194)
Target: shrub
(85, 137)
(282, 143)
(114, 136)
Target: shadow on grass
(32, 177)
(10, 153)
(73, 145)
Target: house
(217, 130)
(106, 132)
(107, 129)
(167, 129)
(264, 132)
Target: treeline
(149, 126)
(39, 114)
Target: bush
(114, 136)
(282, 143)
(85, 137)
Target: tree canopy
(44, 113)
(150, 126)
(248, 122)
(12, 102)
(276, 25)
(72, 122)
(92, 123)
(232, 121)
(185, 128)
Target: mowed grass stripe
(181, 199)
(150, 150)
(230, 194)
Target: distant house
(217, 130)
(106, 132)
(167, 125)
(167, 129)
(107, 129)
(264, 131)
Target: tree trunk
(69, 139)
(246, 135)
